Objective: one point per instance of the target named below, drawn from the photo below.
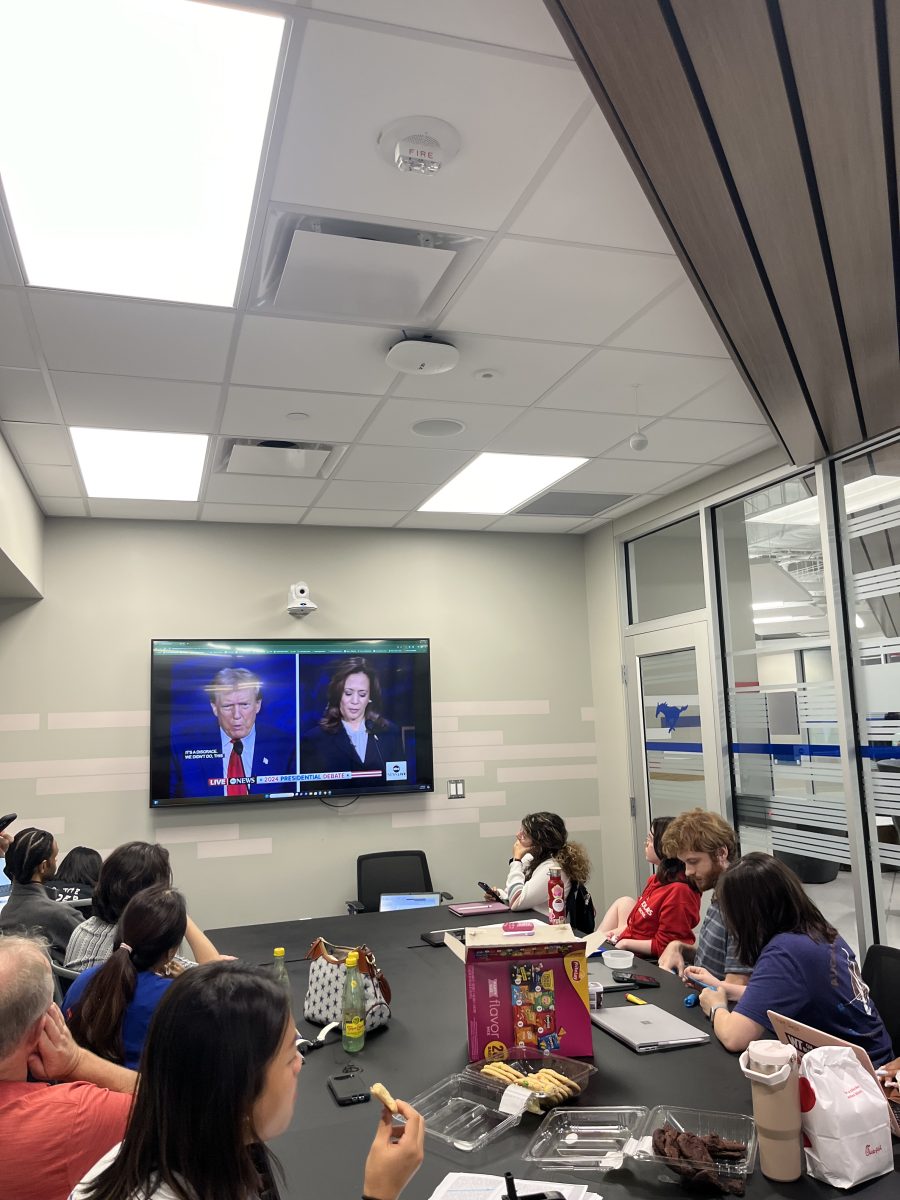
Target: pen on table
(634, 999)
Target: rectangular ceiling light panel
(497, 483)
(124, 464)
(131, 140)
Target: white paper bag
(846, 1129)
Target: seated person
(667, 908)
(219, 1080)
(50, 1135)
(109, 1007)
(76, 876)
(542, 845)
(30, 862)
(353, 734)
(128, 870)
(802, 967)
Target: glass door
(671, 722)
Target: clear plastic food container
(529, 1062)
(585, 1139)
(731, 1127)
(464, 1112)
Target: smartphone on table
(348, 1089)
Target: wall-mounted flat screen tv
(233, 722)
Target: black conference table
(324, 1151)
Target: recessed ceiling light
(497, 483)
(486, 374)
(438, 427)
(782, 620)
(131, 169)
(297, 416)
(764, 604)
(127, 464)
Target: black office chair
(390, 871)
(881, 971)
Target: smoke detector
(422, 356)
(421, 145)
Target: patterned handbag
(325, 993)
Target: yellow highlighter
(633, 999)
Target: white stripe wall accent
(174, 835)
(19, 722)
(451, 754)
(546, 774)
(83, 785)
(583, 824)
(437, 816)
(242, 848)
(490, 708)
(128, 719)
(588, 714)
(504, 829)
(444, 724)
(54, 825)
(459, 770)
(473, 737)
(62, 767)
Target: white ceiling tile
(263, 412)
(349, 516)
(23, 397)
(690, 441)
(282, 353)
(617, 477)
(132, 337)
(542, 431)
(432, 520)
(521, 371)
(58, 507)
(127, 402)
(514, 524)
(145, 510)
(16, 349)
(559, 293)
(263, 514)
(728, 400)
(591, 195)
(678, 323)
(262, 489)
(765, 442)
(606, 382)
(393, 424)
(352, 82)
(342, 493)
(54, 481)
(385, 464)
(47, 445)
(521, 24)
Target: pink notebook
(475, 908)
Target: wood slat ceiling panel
(737, 64)
(835, 63)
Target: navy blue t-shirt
(149, 990)
(819, 984)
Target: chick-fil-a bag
(846, 1127)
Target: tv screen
(234, 722)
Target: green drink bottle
(353, 1017)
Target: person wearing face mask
(30, 862)
(542, 845)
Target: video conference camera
(299, 603)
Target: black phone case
(348, 1090)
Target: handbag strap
(320, 948)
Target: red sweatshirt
(665, 912)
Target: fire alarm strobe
(421, 145)
(422, 356)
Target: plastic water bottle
(279, 970)
(556, 897)
(353, 1013)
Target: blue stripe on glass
(681, 747)
(786, 749)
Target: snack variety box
(532, 994)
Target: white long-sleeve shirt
(532, 892)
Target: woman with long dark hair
(542, 845)
(667, 910)
(109, 1007)
(218, 1080)
(30, 863)
(802, 967)
(77, 874)
(353, 733)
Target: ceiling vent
(333, 267)
(571, 504)
(290, 460)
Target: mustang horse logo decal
(669, 715)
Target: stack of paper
(461, 1186)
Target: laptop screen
(5, 885)
(397, 901)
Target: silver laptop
(646, 1028)
(399, 901)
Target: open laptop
(807, 1037)
(646, 1028)
(400, 901)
